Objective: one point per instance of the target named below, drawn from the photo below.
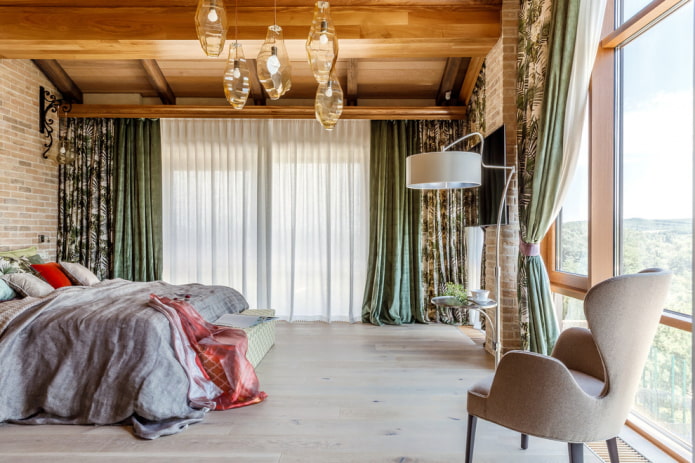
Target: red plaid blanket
(221, 355)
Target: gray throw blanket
(101, 355)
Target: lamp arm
(465, 137)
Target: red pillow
(52, 273)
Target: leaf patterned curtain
(85, 189)
(445, 214)
(547, 76)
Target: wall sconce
(49, 103)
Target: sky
(657, 125)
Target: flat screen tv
(492, 185)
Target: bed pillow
(6, 293)
(53, 274)
(79, 274)
(30, 251)
(27, 285)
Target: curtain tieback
(529, 249)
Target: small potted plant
(453, 295)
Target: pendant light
(236, 74)
(328, 105)
(273, 64)
(211, 26)
(322, 44)
(236, 77)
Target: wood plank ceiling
(419, 53)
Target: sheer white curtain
(275, 209)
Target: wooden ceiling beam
(452, 78)
(267, 112)
(265, 4)
(460, 22)
(158, 81)
(258, 94)
(472, 73)
(190, 49)
(351, 96)
(58, 77)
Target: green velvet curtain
(546, 48)
(85, 190)
(137, 205)
(393, 294)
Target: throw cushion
(6, 293)
(53, 274)
(79, 274)
(27, 285)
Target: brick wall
(29, 185)
(500, 108)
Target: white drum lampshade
(442, 170)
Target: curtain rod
(264, 112)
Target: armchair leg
(612, 445)
(470, 437)
(576, 452)
(524, 442)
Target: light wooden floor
(336, 393)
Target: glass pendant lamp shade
(273, 64)
(236, 77)
(328, 105)
(322, 44)
(211, 26)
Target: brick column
(500, 108)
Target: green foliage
(456, 290)
(664, 395)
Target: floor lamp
(446, 170)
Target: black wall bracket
(48, 103)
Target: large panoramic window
(655, 199)
(630, 207)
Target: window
(572, 225)
(640, 172)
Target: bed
(101, 354)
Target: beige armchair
(585, 389)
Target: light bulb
(329, 90)
(323, 39)
(237, 72)
(273, 61)
(212, 15)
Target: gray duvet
(101, 355)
